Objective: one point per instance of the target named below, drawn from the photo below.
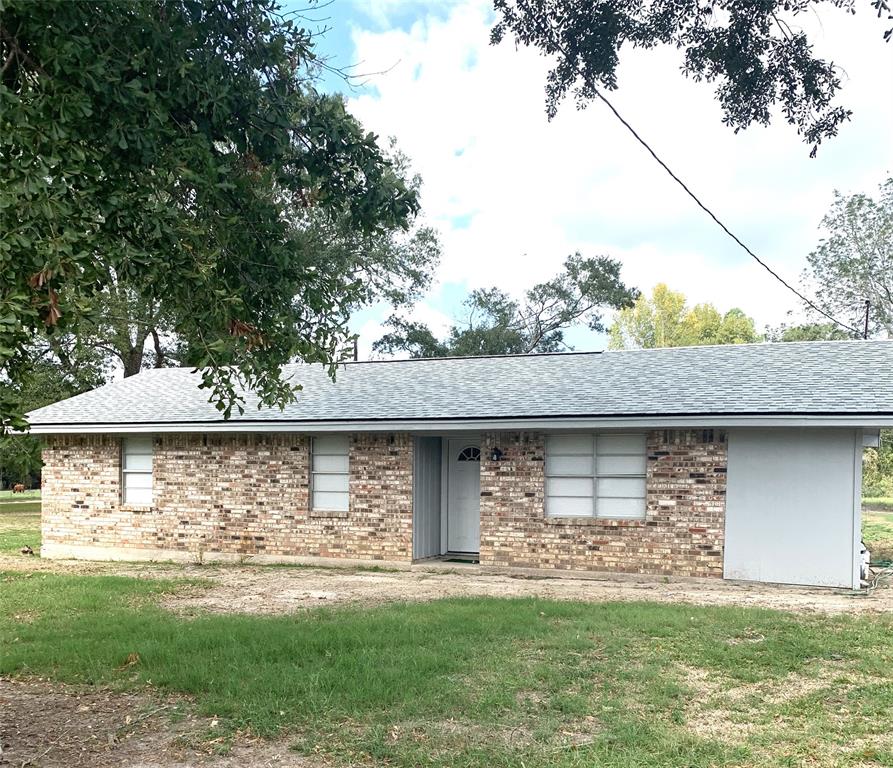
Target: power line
(713, 216)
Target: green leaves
(753, 52)
(807, 332)
(665, 320)
(854, 261)
(179, 147)
(497, 324)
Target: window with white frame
(136, 471)
(329, 476)
(595, 475)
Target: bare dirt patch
(276, 590)
(452, 736)
(754, 713)
(47, 725)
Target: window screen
(136, 471)
(620, 475)
(595, 475)
(570, 475)
(329, 481)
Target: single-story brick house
(736, 461)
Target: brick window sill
(598, 522)
(329, 513)
(137, 508)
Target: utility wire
(713, 216)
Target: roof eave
(650, 421)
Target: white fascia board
(433, 426)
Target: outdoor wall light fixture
(496, 455)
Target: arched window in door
(471, 453)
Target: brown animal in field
(18, 488)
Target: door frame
(445, 481)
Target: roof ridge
(566, 353)
(753, 344)
(569, 353)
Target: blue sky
(513, 194)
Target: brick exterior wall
(682, 533)
(247, 494)
(237, 494)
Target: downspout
(857, 509)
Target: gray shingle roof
(852, 377)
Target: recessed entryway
(446, 497)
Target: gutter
(519, 423)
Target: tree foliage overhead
(179, 147)
(665, 320)
(752, 51)
(854, 263)
(497, 324)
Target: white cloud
(527, 192)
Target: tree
(180, 147)
(60, 368)
(854, 263)
(877, 467)
(414, 338)
(665, 320)
(124, 325)
(655, 322)
(807, 332)
(752, 51)
(497, 324)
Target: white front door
(463, 495)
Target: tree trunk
(159, 352)
(133, 361)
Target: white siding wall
(791, 510)
(426, 476)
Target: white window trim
(314, 473)
(595, 478)
(125, 472)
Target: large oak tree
(180, 148)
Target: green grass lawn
(879, 503)
(10, 496)
(877, 531)
(482, 681)
(19, 525)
